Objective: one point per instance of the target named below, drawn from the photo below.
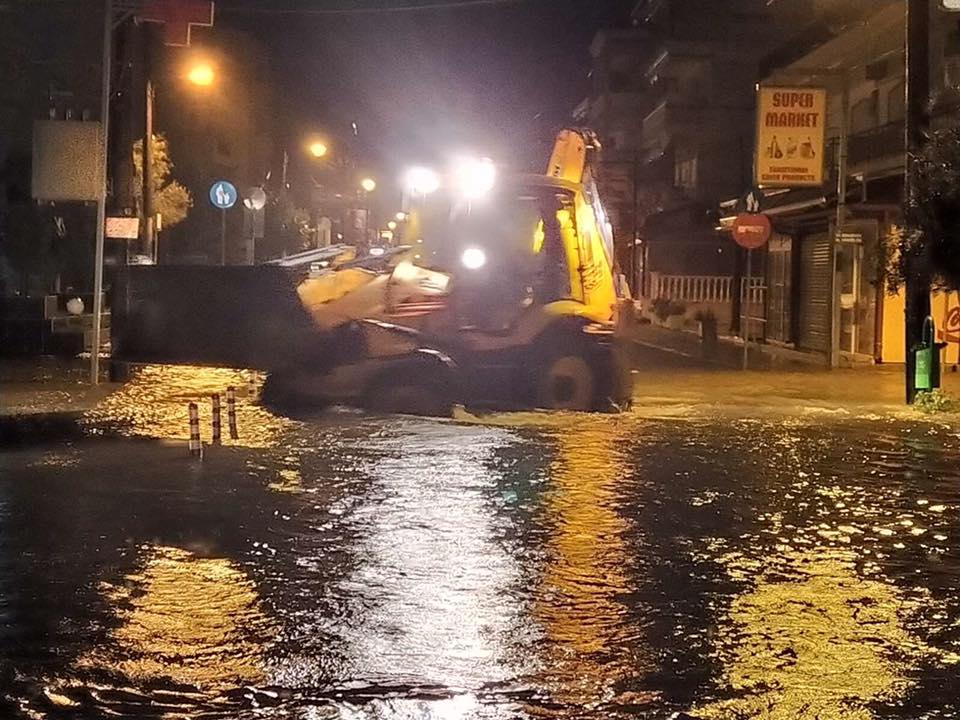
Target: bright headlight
(473, 258)
(474, 177)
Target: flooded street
(523, 566)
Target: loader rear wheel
(567, 382)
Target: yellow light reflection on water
(186, 619)
(814, 640)
(154, 404)
(594, 645)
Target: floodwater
(525, 566)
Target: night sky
(493, 78)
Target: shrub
(935, 401)
(665, 307)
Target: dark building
(50, 65)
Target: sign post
(751, 231)
(223, 195)
(254, 201)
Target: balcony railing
(879, 143)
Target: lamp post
(367, 185)
(318, 149)
(200, 74)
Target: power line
(444, 5)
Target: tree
(171, 199)
(934, 247)
(288, 227)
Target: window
(685, 174)
(896, 102)
(951, 71)
(619, 81)
(863, 114)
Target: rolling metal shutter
(815, 293)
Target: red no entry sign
(752, 230)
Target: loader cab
(530, 245)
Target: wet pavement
(689, 559)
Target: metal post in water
(232, 412)
(216, 421)
(196, 446)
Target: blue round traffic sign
(223, 195)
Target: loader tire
(567, 381)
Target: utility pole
(148, 189)
(833, 307)
(106, 69)
(636, 284)
(917, 285)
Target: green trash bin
(927, 360)
(923, 373)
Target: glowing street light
(201, 74)
(401, 216)
(368, 184)
(318, 149)
(422, 181)
(474, 178)
(392, 225)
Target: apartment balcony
(877, 151)
(880, 150)
(627, 105)
(669, 119)
(678, 117)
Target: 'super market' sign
(791, 124)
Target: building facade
(826, 289)
(673, 102)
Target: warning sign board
(791, 125)
(122, 228)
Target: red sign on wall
(178, 17)
(951, 327)
(752, 230)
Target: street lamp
(318, 149)
(401, 216)
(368, 185)
(201, 74)
(392, 225)
(422, 181)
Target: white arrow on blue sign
(223, 194)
